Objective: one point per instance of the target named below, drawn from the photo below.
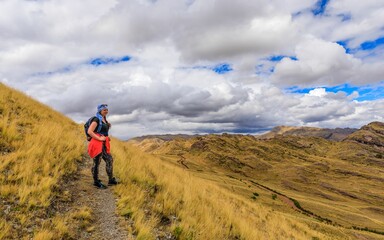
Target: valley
(337, 182)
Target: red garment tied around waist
(95, 147)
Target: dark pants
(108, 164)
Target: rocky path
(105, 222)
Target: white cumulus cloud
(169, 81)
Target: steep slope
(38, 149)
(46, 189)
(336, 182)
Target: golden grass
(5, 229)
(39, 163)
(44, 235)
(306, 169)
(311, 170)
(38, 146)
(158, 195)
(84, 217)
(60, 227)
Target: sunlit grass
(44, 235)
(339, 181)
(38, 146)
(84, 217)
(5, 229)
(194, 208)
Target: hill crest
(336, 134)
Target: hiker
(99, 146)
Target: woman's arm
(91, 133)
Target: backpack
(86, 126)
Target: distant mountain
(336, 134)
(164, 137)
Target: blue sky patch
(278, 58)
(365, 46)
(320, 7)
(366, 93)
(343, 88)
(369, 45)
(108, 60)
(266, 68)
(344, 44)
(371, 93)
(222, 68)
(95, 62)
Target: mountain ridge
(336, 134)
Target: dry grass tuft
(44, 235)
(84, 218)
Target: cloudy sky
(199, 66)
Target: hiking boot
(112, 181)
(99, 184)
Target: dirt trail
(106, 223)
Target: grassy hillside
(371, 134)
(339, 183)
(38, 148)
(165, 200)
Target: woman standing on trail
(99, 146)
